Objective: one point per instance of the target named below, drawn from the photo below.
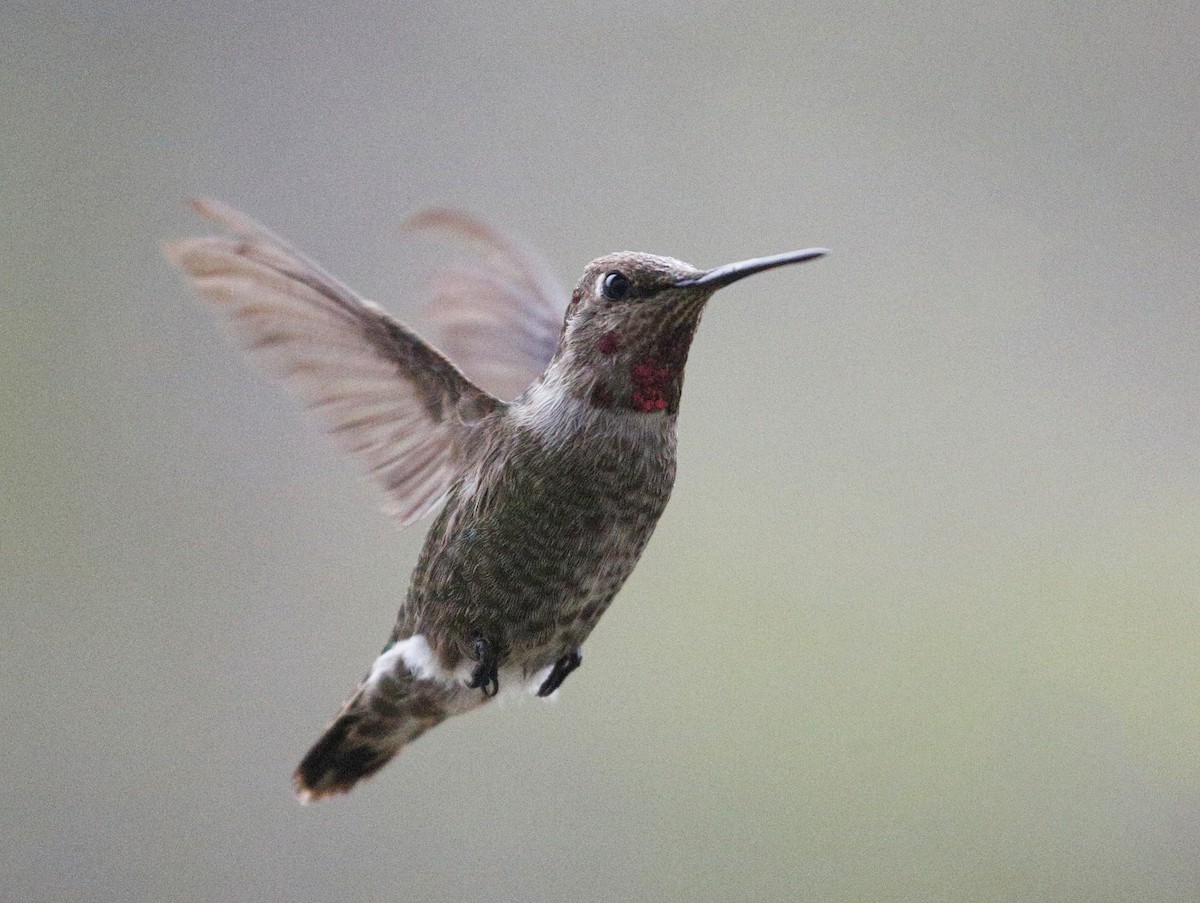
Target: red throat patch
(656, 379)
(651, 383)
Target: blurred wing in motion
(389, 398)
(499, 316)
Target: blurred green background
(922, 621)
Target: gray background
(921, 620)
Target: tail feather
(385, 714)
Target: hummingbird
(547, 483)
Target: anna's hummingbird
(547, 501)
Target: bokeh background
(922, 621)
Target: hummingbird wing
(390, 399)
(499, 316)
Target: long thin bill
(732, 272)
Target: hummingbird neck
(618, 371)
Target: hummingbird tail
(389, 710)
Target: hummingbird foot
(559, 672)
(486, 675)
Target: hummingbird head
(630, 324)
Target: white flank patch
(417, 657)
(513, 681)
(535, 681)
(514, 684)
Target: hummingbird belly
(531, 547)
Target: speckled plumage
(547, 500)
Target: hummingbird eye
(615, 286)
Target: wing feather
(390, 399)
(499, 316)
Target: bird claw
(559, 672)
(486, 675)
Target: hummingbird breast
(537, 538)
